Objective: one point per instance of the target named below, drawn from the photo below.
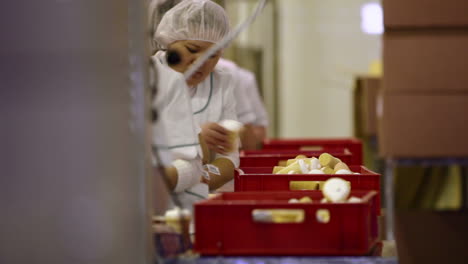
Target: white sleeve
(189, 173)
(244, 108)
(229, 105)
(253, 95)
(229, 112)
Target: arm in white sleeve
(188, 173)
(253, 95)
(244, 109)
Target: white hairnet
(192, 20)
(157, 9)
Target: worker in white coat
(175, 137)
(185, 32)
(174, 133)
(252, 93)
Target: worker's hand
(216, 137)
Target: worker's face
(190, 51)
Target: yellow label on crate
(278, 216)
(303, 185)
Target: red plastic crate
(224, 225)
(265, 160)
(352, 144)
(261, 179)
(291, 151)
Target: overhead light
(372, 19)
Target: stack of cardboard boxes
(423, 108)
(422, 112)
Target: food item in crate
(336, 190)
(316, 171)
(276, 169)
(315, 164)
(325, 164)
(305, 199)
(303, 165)
(327, 160)
(290, 161)
(350, 200)
(354, 199)
(293, 200)
(343, 172)
(340, 166)
(327, 170)
(294, 167)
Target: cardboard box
(422, 125)
(365, 97)
(357, 109)
(370, 89)
(426, 61)
(425, 13)
(431, 237)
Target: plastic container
(228, 225)
(290, 151)
(265, 160)
(352, 144)
(261, 179)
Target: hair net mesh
(192, 20)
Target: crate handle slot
(278, 216)
(304, 185)
(311, 148)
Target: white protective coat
(213, 101)
(252, 93)
(181, 134)
(244, 109)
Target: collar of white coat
(201, 110)
(161, 56)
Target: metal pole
(72, 170)
(389, 198)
